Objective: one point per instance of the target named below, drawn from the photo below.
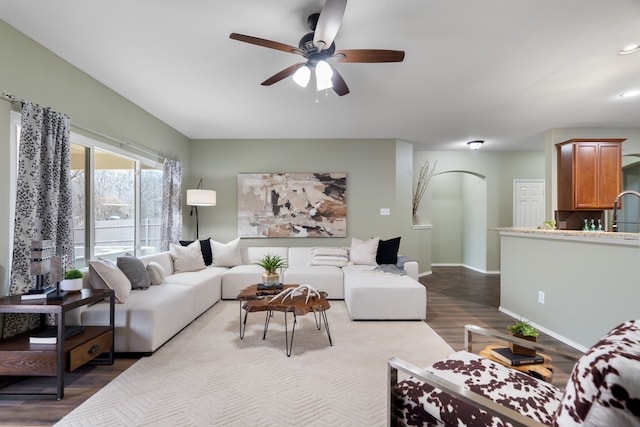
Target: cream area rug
(207, 376)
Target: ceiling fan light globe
(323, 71)
(302, 76)
(324, 84)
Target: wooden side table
(20, 358)
(542, 371)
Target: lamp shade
(199, 197)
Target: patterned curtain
(43, 199)
(171, 230)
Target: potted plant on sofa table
(72, 281)
(522, 329)
(270, 278)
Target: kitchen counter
(578, 235)
(575, 285)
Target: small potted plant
(72, 281)
(522, 329)
(271, 263)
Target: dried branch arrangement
(421, 186)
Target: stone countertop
(604, 235)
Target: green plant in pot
(522, 329)
(72, 281)
(271, 263)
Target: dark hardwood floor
(456, 296)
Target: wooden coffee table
(254, 300)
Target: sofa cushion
(337, 257)
(147, 319)
(156, 272)
(186, 258)
(135, 271)
(108, 273)
(364, 251)
(226, 254)
(376, 295)
(604, 386)
(388, 251)
(325, 278)
(205, 248)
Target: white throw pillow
(226, 254)
(187, 258)
(113, 277)
(338, 257)
(364, 251)
(156, 272)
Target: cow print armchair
(465, 389)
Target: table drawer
(89, 350)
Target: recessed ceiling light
(631, 93)
(629, 49)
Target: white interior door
(528, 203)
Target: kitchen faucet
(614, 225)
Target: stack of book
(49, 335)
(510, 358)
(50, 293)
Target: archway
(459, 218)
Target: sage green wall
(31, 72)
(379, 174)
(590, 285)
(446, 213)
(498, 169)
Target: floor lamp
(199, 197)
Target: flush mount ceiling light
(629, 49)
(475, 145)
(630, 93)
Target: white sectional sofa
(148, 318)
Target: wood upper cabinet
(589, 173)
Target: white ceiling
(503, 71)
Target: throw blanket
(397, 268)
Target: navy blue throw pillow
(388, 251)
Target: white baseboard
(555, 335)
(426, 273)
(465, 266)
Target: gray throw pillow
(135, 271)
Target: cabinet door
(610, 174)
(585, 169)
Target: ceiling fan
(317, 47)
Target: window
(116, 196)
(125, 204)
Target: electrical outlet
(541, 297)
(385, 211)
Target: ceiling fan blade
(369, 55)
(265, 43)
(339, 85)
(282, 74)
(329, 23)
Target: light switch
(385, 211)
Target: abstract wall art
(292, 204)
